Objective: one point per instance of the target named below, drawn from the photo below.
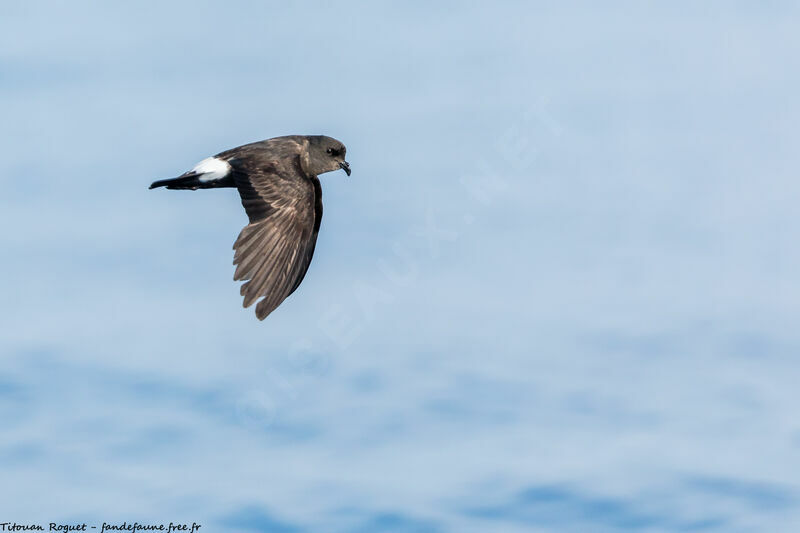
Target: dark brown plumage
(278, 184)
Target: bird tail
(192, 181)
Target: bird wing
(273, 252)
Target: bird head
(326, 154)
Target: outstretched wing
(284, 205)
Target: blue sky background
(560, 291)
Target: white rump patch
(212, 169)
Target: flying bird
(278, 184)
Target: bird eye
(333, 151)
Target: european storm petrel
(277, 181)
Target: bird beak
(344, 165)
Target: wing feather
(273, 252)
